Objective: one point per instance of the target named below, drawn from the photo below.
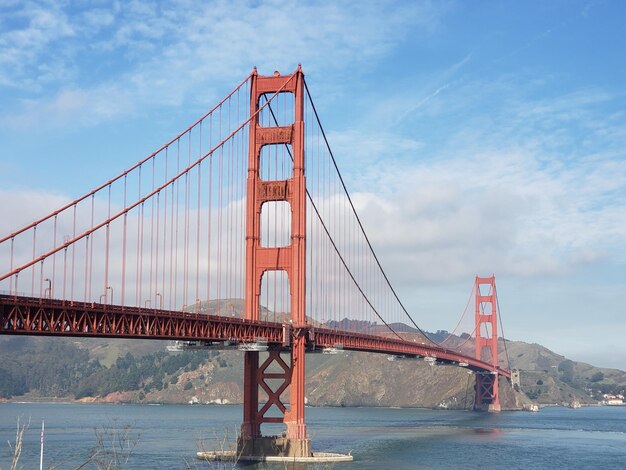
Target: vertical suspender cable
(93, 209)
(73, 255)
(198, 205)
(220, 166)
(186, 230)
(210, 212)
(54, 260)
(137, 252)
(175, 280)
(32, 285)
(124, 243)
(152, 246)
(166, 191)
(106, 249)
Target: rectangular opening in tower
(280, 111)
(275, 297)
(275, 229)
(485, 308)
(276, 162)
(485, 330)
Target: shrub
(597, 377)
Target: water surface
(169, 436)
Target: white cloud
(505, 212)
(20, 208)
(358, 149)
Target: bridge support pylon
(294, 441)
(487, 398)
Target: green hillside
(37, 368)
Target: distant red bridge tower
(486, 343)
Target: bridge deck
(49, 317)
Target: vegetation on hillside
(55, 368)
(68, 368)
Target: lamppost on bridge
(49, 289)
(105, 296)
(160, 297)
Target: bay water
(168, 436)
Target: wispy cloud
(443, 80)
(30, 31)
(71, 107)
(183, 52)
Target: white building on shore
(610, 399)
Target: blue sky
(488, 137)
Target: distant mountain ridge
(139, 371)
(117, 370)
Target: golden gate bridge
(246, 203)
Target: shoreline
(60, 401)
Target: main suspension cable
(506, 352)
(359, 221)
(450, 335)
(332, 241)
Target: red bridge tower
(291, 259)
(487, 344)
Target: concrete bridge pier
(487, 397)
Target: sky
(475, 137)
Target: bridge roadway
(20, 315)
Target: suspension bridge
(246, 203)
